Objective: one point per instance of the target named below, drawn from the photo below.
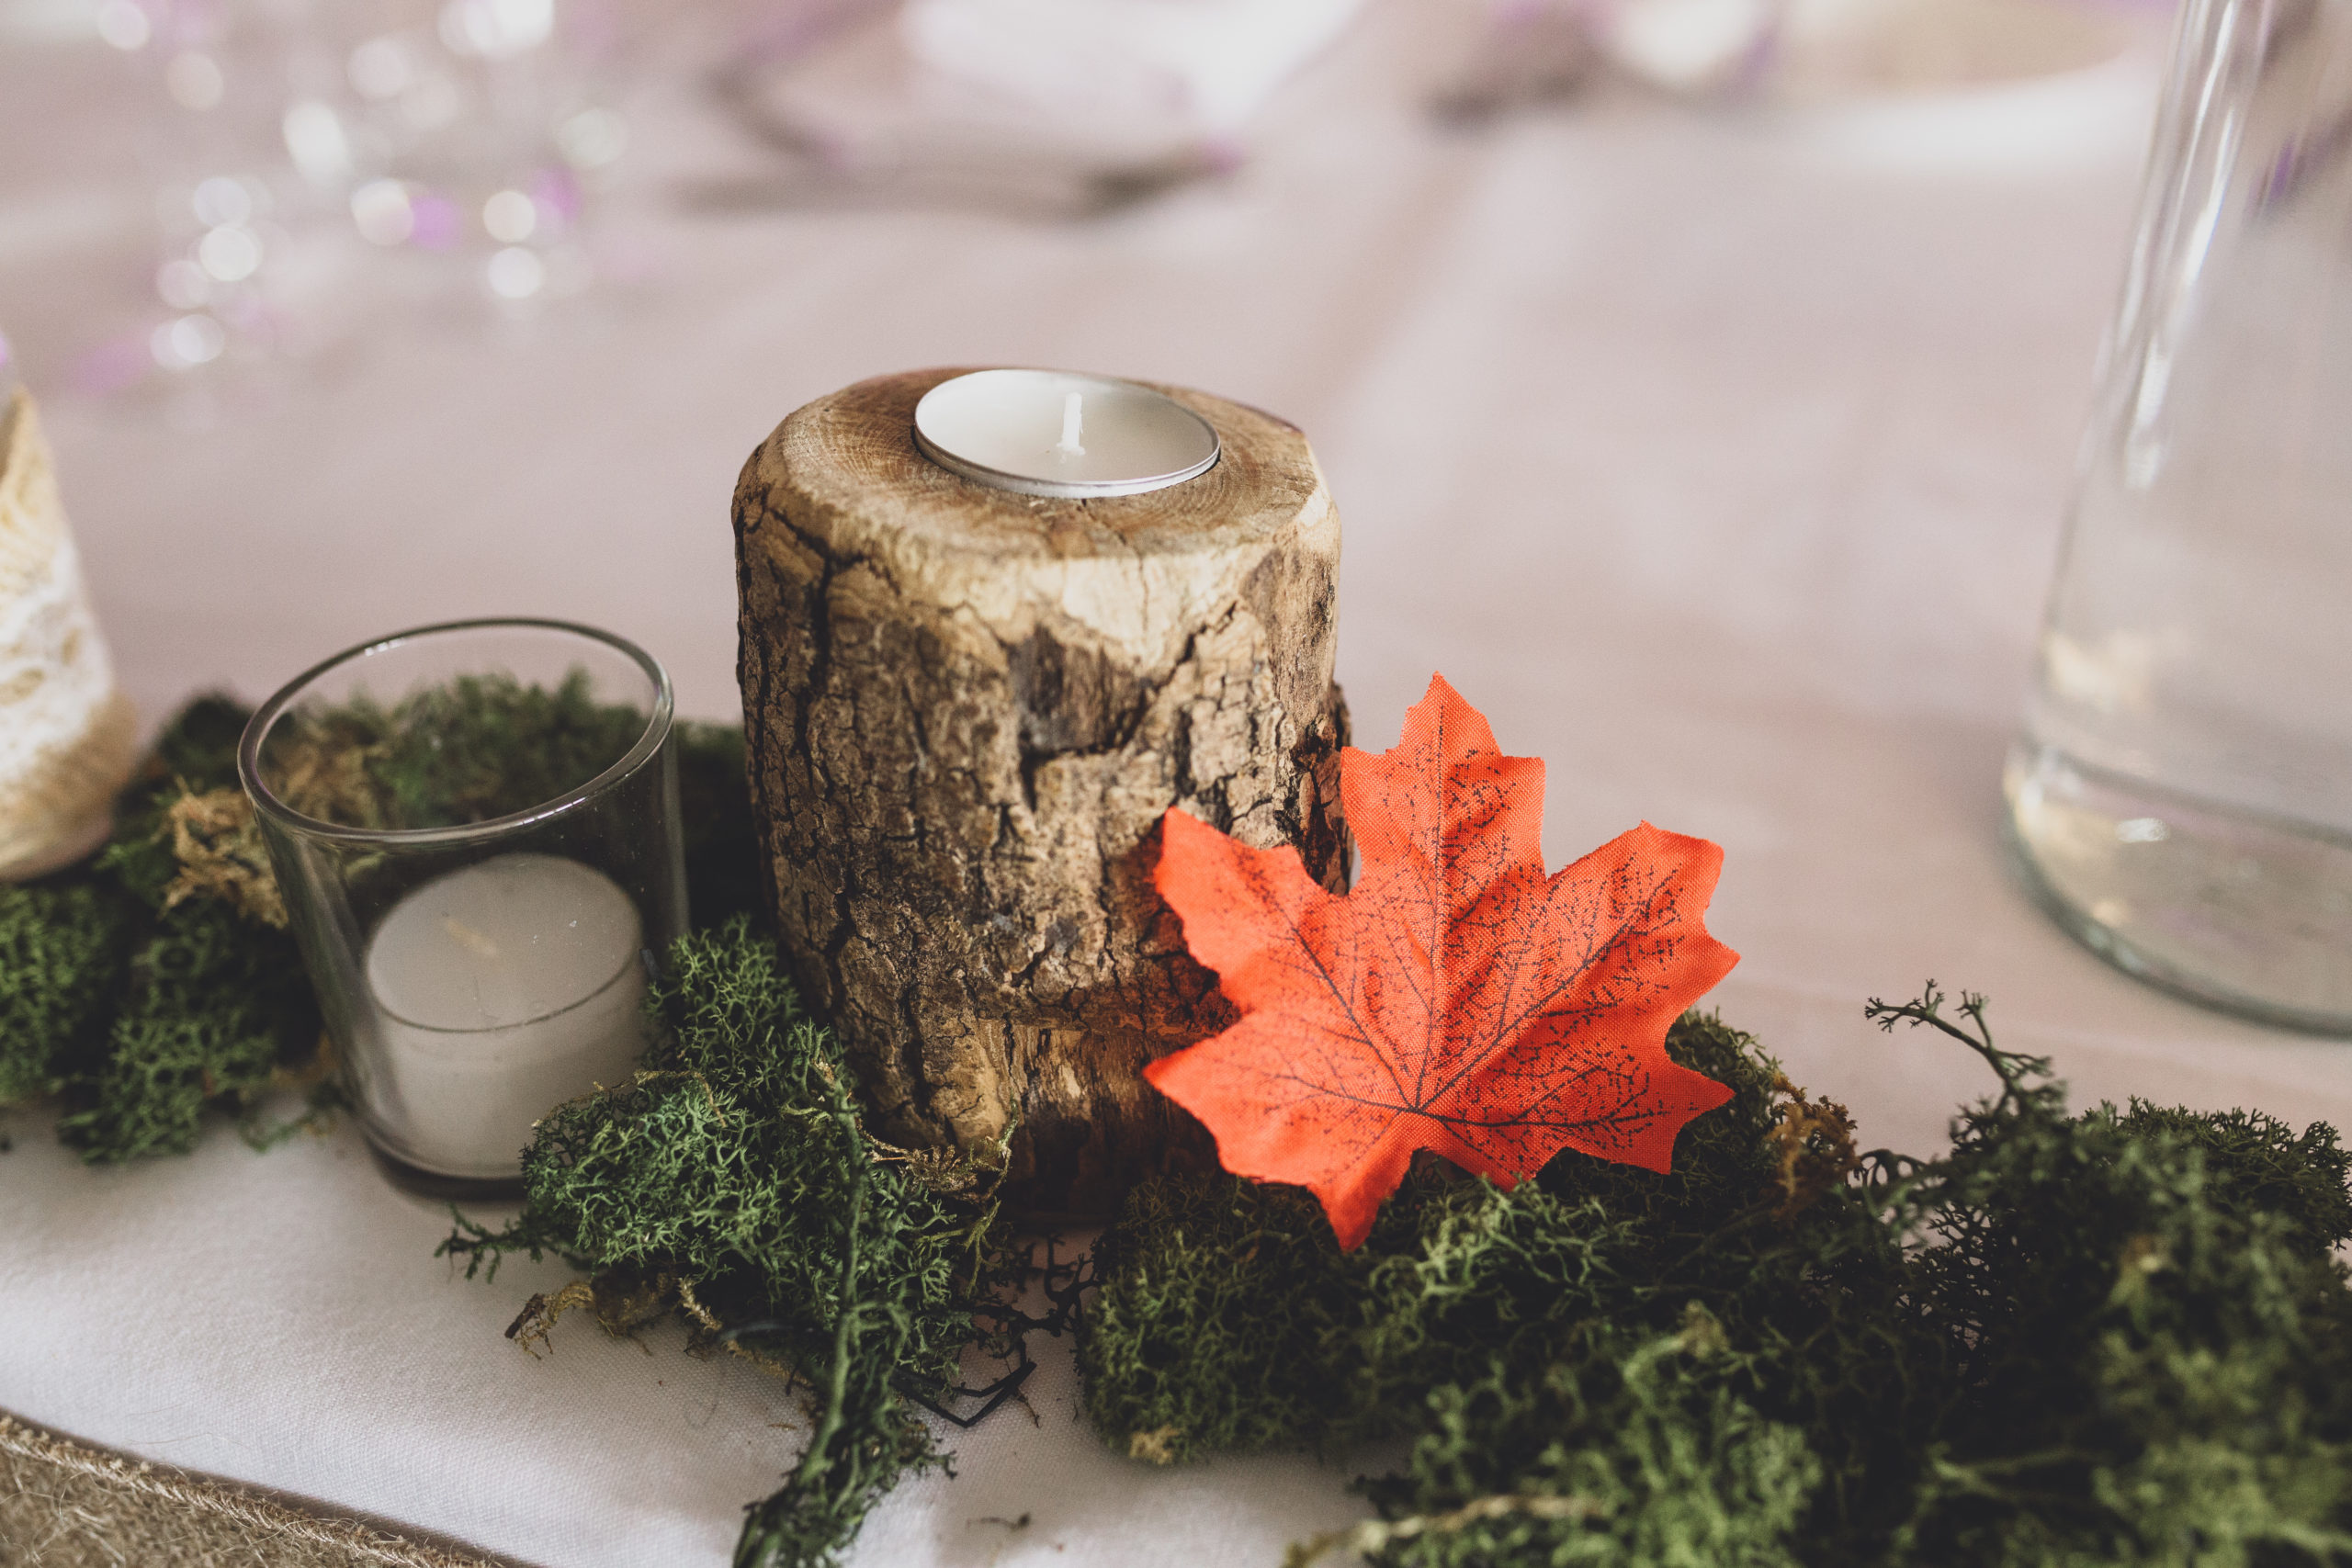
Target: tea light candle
(1051, 432)
(503, 989)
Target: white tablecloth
(1720, 459)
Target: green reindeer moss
(61, 948)
(732, 1182)
(479, 747)
(2118, 1336)
(157, 982)
(137, 1006)
(2112, 1337)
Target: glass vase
(2180, 797)
(475, 829)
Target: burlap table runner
(65, 1504)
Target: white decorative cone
(68, 739)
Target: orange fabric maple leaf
(1458, 999)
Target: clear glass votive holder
(475, 827)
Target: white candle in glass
(503, 989)
(1050, 432)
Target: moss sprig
(733, 1172)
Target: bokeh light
(187, 342)
(516, 273)
(510, 215)
(383, 212)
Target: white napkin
(1052, 106)
(1210, 63)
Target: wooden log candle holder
(967, 710)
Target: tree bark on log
(967, 710)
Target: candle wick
(467, 936)
(1073, 422)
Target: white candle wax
(1050, 432)
(503, 989)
